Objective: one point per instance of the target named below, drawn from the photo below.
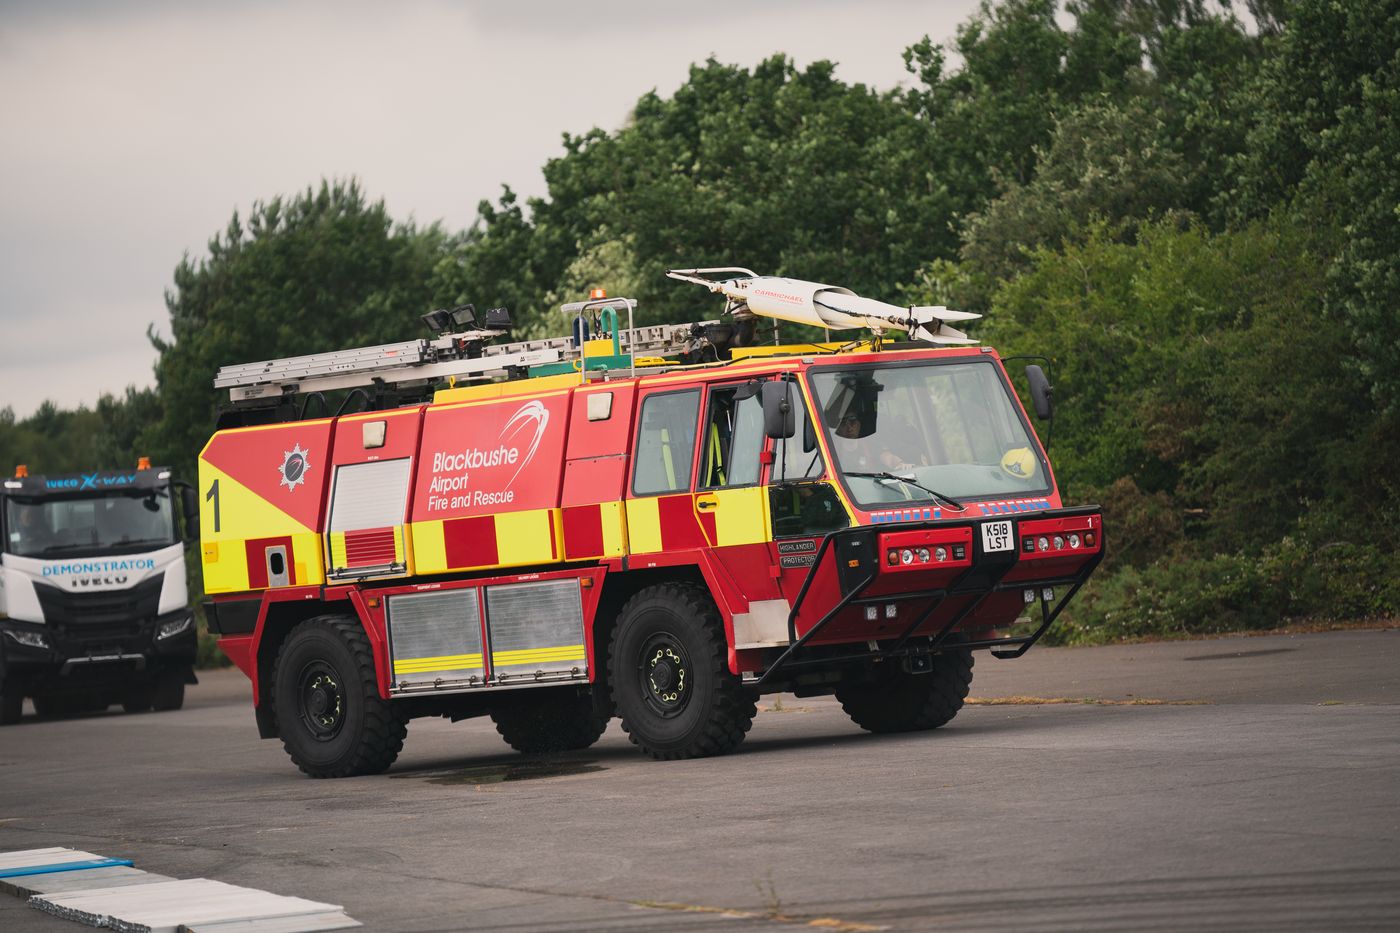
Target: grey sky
(129, 132)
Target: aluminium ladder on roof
(421, 360)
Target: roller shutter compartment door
(366, 528)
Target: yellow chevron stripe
(446, 662)
(537, 655)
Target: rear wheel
(332, 721)
(898, 701)
(168, 693)
(669, 669)
(538, 721)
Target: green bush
(1293, 580)
(209, 655)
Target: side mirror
(189, 505)
(778, 419)
(1041, 390)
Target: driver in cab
(865, 453)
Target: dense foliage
(1191, 211)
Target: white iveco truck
(93, 603)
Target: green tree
(53, 440)
(324, 270)
(1185, 361)
(1156, 140)
(778, 169)
(1324, 145)
(1108, 161)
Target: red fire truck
(660, 523)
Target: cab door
(732, 510)
(660, 504)
(730, 505)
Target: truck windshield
(125, 521)
(951, 427)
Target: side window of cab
(665, 453)
(732, 438)
(799, 502)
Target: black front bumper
(857, 566)
(72, 656)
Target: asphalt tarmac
(1229, 784)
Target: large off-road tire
(546, 720)
(11, 704)
(898, 701)
(332, 721)
(669, 669)
(168, 691)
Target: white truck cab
(94, 608)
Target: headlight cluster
(169, 629)
(924, 555)
(1042, 543)
(28, 639)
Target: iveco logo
(83, 582)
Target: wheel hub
(665, 674)
(322, 702)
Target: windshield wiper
(912, 482)
(77, 546)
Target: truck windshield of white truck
(47, 526)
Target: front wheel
(11, 704)
(332, 721)
(669, 670)
(898, 701)
(168, 692)
(138, 697)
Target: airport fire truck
(93, 603)
(660, 523)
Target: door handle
(705, 505)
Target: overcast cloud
(130, 132)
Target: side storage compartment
(478, 634)
(365, 531)
(435, 640)
(536, 631)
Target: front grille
(110, 617)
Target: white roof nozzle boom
(827, 306)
